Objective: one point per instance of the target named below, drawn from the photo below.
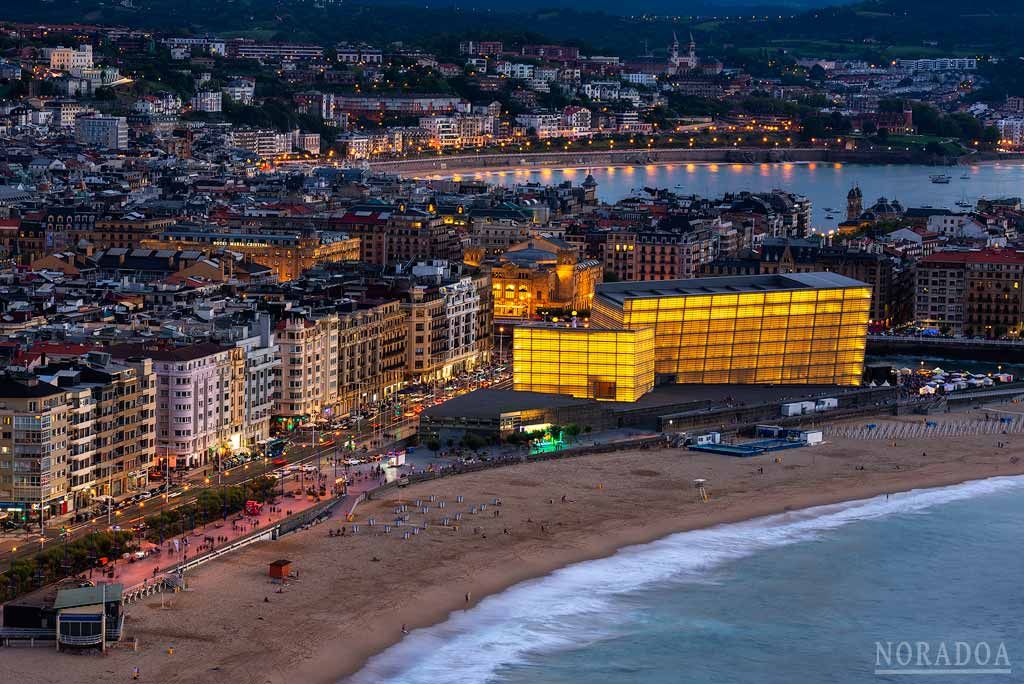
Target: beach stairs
(932, 407)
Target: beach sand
(353, 594)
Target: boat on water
(966, 176)
(940, 178)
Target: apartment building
(371, 354)
(105, 132)
(111, 424)
(388, 234)
(261, 142)
(207, 101)
(200, 403)
(307, 380)
(243, 49)
(668, 254)
(448, 327)
(33, 448)
(976, 293)
(262, 367)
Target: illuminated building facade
(287, 253)
(543, 275)
(614, 365)
(802, 328)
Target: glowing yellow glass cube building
(786, 329)
(616, 365)
(800, 328)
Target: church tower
(854, 203)
(673, 55)
(691, 53)
(589, 189)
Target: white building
(207, 101)
(161, 103)
(1011, 130)
(262, 366)
(646, 80)
(110, 132)
(939, 64)
(359, 54)
(956, 226)
(68, 59)
(212, 46)
(544, 125)
(199, 401)
(461, 310)
(240, 90)
(601, 90)
(262, 142)
(514, 70)
(306, 142)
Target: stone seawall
(464, 163)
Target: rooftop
(976, 256)
(88, 596)
(487, 403)
(11, 388)
(620, 292)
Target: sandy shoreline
(346, 606)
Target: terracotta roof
(981, 256)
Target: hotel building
(288, 253)
(805, 328)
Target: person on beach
(467, 597)
(135, 672)
(405, 630)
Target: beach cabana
(280, 569)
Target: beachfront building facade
(111, 424)
(307, 381)
(200, 401)
(803, 328)
(615, 365)
(33, 448)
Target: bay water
(816, 595)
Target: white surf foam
(571, 606)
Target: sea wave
(576, 605)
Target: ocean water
(825, 184)
(792, 598)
